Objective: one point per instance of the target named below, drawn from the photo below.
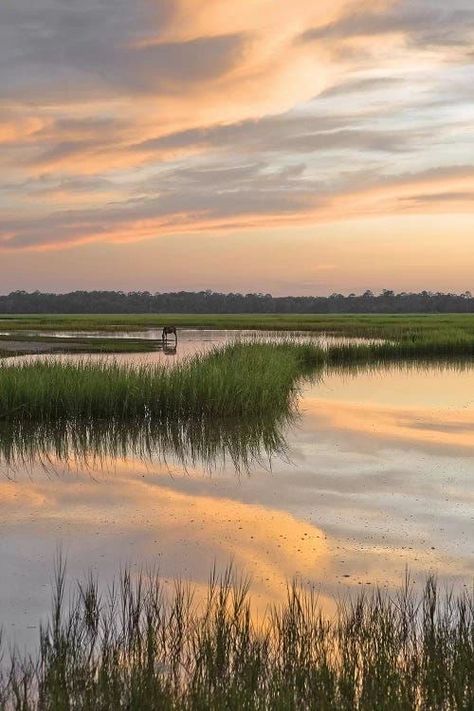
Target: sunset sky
(299, 147)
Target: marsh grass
(393, 326)
(136, 647)
(440, 366)
(407, 349)
(232, 403)
(237, 381)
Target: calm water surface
(378, 476)
(190, 341)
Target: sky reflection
(378, 478)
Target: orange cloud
(427, 408)
(270, 57)
(116, 143)
(415, 427)
(269, 544)
(427, 193)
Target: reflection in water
(203, 335)
(191, 342)
(408, 405)
(423, 368)
(141, 519)
(377, 477)
(190, 443)
(169, 349)
(415, 427)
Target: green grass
(444, 326)
(134, 647)
(416, 335)
(133, 650)
(238, 381)
(233, 403)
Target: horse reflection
(169, 348)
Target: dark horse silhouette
(169, 331)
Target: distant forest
(209, 302)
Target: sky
(287, 147)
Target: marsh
(369, 476)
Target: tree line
(210, 302)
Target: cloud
(49, 45)
(286, 133)
(157, 69)
(251, 199)
(127, 121)
(362, 86)
(113, 47)
(430, 24)
(441, 197)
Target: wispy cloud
(427, 24)
(127, 121)
(264, 199)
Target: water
(191, 341)
(377, 477)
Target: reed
(135, 647)
(239, 381)
(236, 381)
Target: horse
(169, 331)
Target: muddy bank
(25, 347)
(44, 344)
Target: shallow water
(378, 476)
(190, 342)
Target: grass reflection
(190, 443)
(233, 405)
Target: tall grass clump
(235, 381)
(413, 348)
(231, 404)
(137, 648)
(241, 380)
